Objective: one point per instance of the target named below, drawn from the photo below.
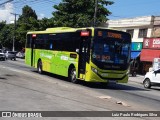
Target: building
(142, 29)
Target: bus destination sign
(110, 34)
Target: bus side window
(28, 42)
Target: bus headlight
(94, 70)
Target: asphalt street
(23, 89)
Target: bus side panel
(63, 61)
(28, 56)
(52, 63)
(45, 57)
(56, 62)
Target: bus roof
(66, 29)
(57, 30)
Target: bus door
(32, 49)
(84, 53)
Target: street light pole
(14, 35)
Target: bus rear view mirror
(77, 50)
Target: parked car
(152, 78)
(2, 55)
(10, 55)
(20, 55)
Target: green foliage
(80, 13)
(27, 13)
(2, 24)
(46, 23)
(6, 35)
(26, 22)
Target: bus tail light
(34, 35)
(84, 33)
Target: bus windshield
(111, 51)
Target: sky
(43, 8)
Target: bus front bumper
(95, 76)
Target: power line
(6, 2)
(35, 4)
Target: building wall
(133, 23)
(156, 30)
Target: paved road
(23, 89)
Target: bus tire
(39, 67)
(72, 75)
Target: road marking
(104, 97)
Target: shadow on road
(110, 86)
(155, 88)
(2, 78)
(117, 86)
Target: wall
(133, 23)
(156, 30)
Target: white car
(152, 78)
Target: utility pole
(14, 35)
(95, 13)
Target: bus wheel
(39, 67)
(72, 75)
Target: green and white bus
(89, 54)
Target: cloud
(5, 13)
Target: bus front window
(111, 51)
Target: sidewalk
(20, 59)
(137, 79)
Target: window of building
(131, 32)
(142, 33)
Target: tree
(2, 24)
(6, 35)
(45, 23)
(27, 13)
(26, 22)
(80, 13)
